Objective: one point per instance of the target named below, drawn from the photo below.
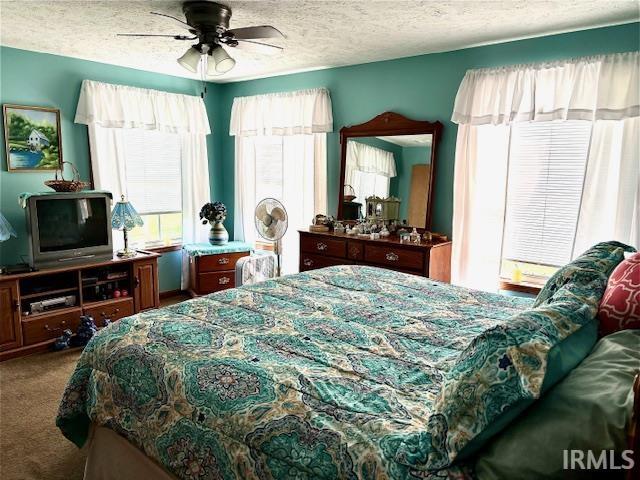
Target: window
(154, 183)
(547, 162)
(285, 168)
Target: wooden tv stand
(92, 284)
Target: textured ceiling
(320, 34)
(421, 140)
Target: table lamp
(124, 217)
(6, 232)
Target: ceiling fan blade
(172, 17)
(260, 31)
(175, 37)
(259, 47)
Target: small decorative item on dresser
(215, 213)
(349, 193)
(124, 217)
(321, 223)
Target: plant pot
(218, 235)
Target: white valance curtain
(120, 106)
(601, 89)
(284, 113)
(107, 109)
(281, 151)
(368, 159)
(368, 170)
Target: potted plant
(215, 213)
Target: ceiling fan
(208, 24)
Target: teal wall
(29, 78)
(422, 87)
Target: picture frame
(33, 139)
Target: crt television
(69, 228)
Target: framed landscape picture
(32, 138)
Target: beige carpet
(31, 446)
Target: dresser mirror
(387, 170)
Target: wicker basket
(63, 185)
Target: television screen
(66, 224)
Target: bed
(344, 372)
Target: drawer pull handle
(49, 329)
(223, 280)
(321, 246)
(116, 311)
(355, 251)
(307, 262)
(392, 257)
(223, 261)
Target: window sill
(163, 249)
(530, 286)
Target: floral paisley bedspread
(318, 375)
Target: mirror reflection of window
(369, 170)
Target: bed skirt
(112, 457)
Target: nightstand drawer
(324, 246)
(215, 281)
(222, 261)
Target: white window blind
(269, 167)
(546, 173)
(153, 170)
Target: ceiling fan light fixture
(211, 67)
(190, 59)
(222, 61)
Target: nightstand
(212, 267)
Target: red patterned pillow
(620, 304)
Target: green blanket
(318, 375)
(345, 372)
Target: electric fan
(271, 222)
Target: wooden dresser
(90, 289)
(318, 250)
(213, 267)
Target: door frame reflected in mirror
(391, 124)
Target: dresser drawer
(311, 262)
(395, 257)
(324, 246)
(215, 281)
(35, 330)
(113, 310)
(222, 261)
(355, 250)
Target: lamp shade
(211, 67)
(6, 230)
(124, 216)
(223, 62)
(190, 59)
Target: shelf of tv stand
(48, 313)
(104, 282)
(49, 292)
(25, 334)
(108, 301)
